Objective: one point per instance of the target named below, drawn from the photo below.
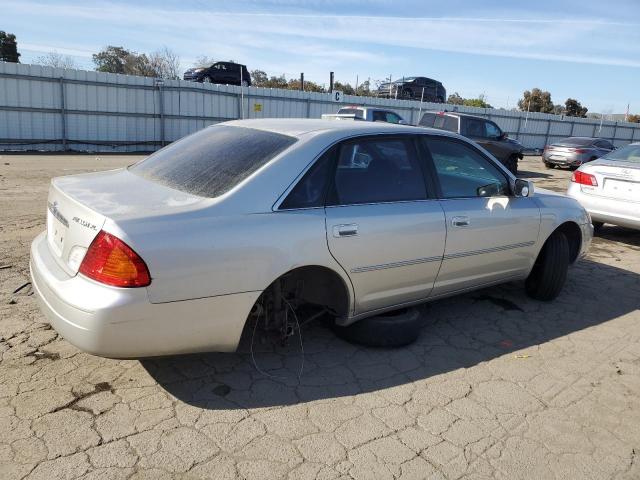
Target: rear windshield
(576, 141)
(212, 161)
(630, 153)
(351, 111)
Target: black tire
(597, 226)
(549, 165)
(407, 94)
(207, 79)
(549, 273)
(388, 330)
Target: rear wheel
(549, 165)
(207, 80)
(549, 273)
(407, 95)
(391, 329)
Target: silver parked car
(248, 218)
(609, 188)
(369, 114)
(575, 151)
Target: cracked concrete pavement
(497, 386)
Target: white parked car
(609, 188)
(251, 218)
(368, 114)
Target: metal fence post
(63, 115)
(518, 130)
(573, 126)
(159, 84)
(546, 136)
(593, 134)
(308, 108)
(615, 129)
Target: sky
(588, 50)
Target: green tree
(536, 100)
(346, 88)
(573, 108)
(111, 59)
(294, 84)
(364, 89)
(455, 99)
(9, 48)
(633, 118)
(161, 64)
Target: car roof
(297, 127)
(456, 114)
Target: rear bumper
(122, 323)
(607, 210)
(569, 160)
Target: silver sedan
(258, 218)
(609, 188)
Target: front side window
(464, 172)
(377, 170)
(392, 117)
(474, 127)
(212, 161)
(492, 131)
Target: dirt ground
(497, 386)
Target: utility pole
(331, 81)
(302, 81)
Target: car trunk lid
(80, 205)
(616, 179)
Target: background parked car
(226, 73)
(410, 88)
(480, 130)
(574, 151)
(609, 188)
(355, 112)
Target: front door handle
(349, 230)
(460, 221)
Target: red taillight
(584, 178)
(111, 261)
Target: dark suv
(220, 72)
(410, 88)
(480, 130)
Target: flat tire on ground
(388, 330)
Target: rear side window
(428, 120)
(446, 122)
(351, 111)
(310, 191)
(377, 170)
(474, 127)
(213, 160)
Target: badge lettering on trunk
(53, 208)
(84, 223)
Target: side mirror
(523, 188)
(503, 136)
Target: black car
(480, 130)
(227, 73)
(411, 88)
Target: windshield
(578, 141)
(212, 161)
(630, 153)
(351, 111)
(405, 79)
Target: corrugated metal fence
(43, 108)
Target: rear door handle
(348, 230)
(460, 221)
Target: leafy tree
(536, 100)
(573, 108)
(364, 89)
(346, 88)
(633, 118)
(456, 99)
(161, 64)
(9, 48)
(56, 60)
(294, 84)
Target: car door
(490, 232)
(603, 147)
(382, 226)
